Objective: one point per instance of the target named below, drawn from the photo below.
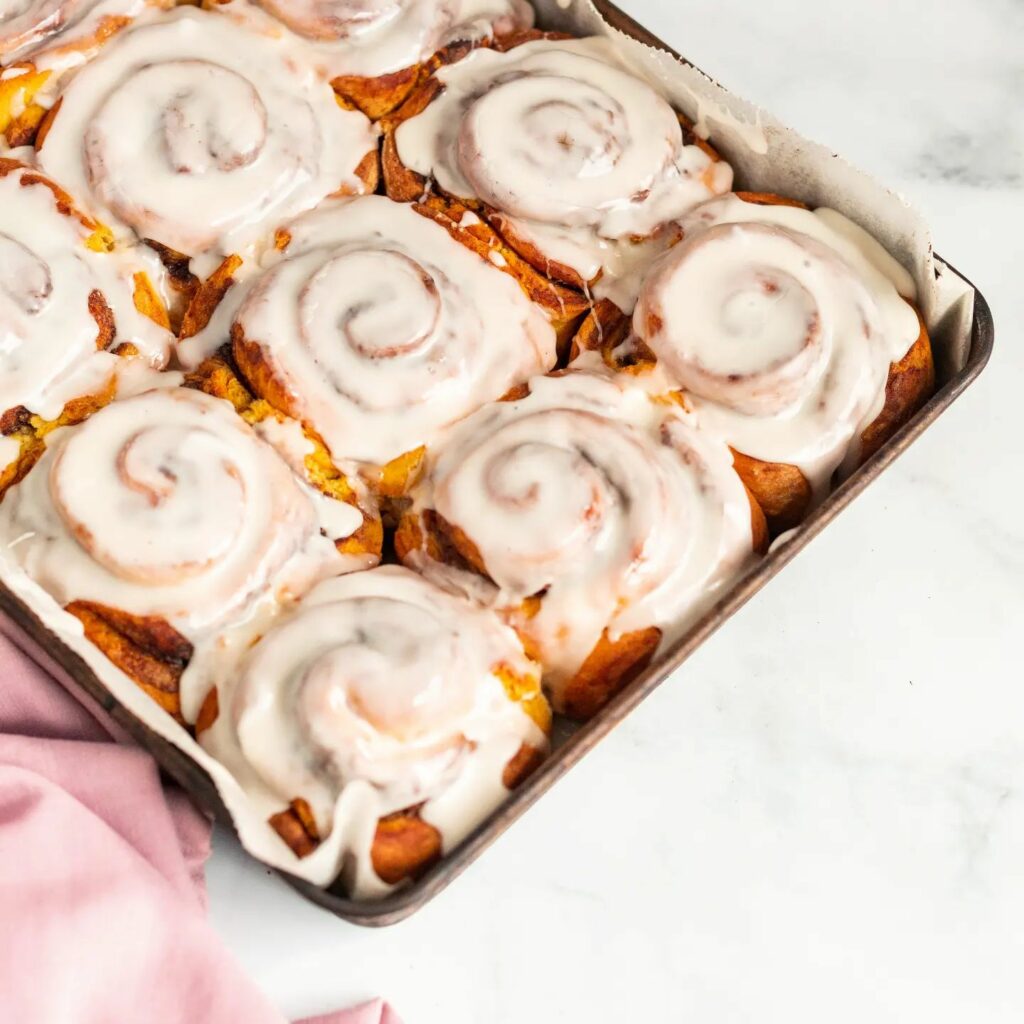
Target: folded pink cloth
(102, 897)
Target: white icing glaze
(58, 27)
(239, 134)
(783, 539)
(166, 504)
(580, 156)
(369, 38)
(750, 133)
(382, 683)
(383, 327)
(48, 277)
(614, 505)
(781, 325)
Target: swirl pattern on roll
(64, 306)
(609, 507)
(378, 329)
(166, 504)
(566, 144)
(780, 324)
(202, 135)
(381, 682)
(371, 38)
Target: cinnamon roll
(161, 520)
(793, 335)
(43, 40)
(201, 135)
(384, 718)
(598, 521)
(376, 329)
(69, 311)
(579, 164)
(376, 51)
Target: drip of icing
(382, 684)
(165, 504)
(369, 38)
(236, 134)
(690, 90)
(611, 505)
(579, 156)
(382, 327)
(750, 133)
(783, 539)
(781, 325)
(58, 298)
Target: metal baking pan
(404, 902)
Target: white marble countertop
(821, 817)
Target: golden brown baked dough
(378, 97)
(146, 648)
(20, 116)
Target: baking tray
(51, 650)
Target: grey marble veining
(822, 816)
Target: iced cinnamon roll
(598, 521)
(376, 51)
(793, 336)
(376, 329)
(582, 166)
(73, 314)
(41, 41)
(163, 519)
(202, 135)
(384, 718)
